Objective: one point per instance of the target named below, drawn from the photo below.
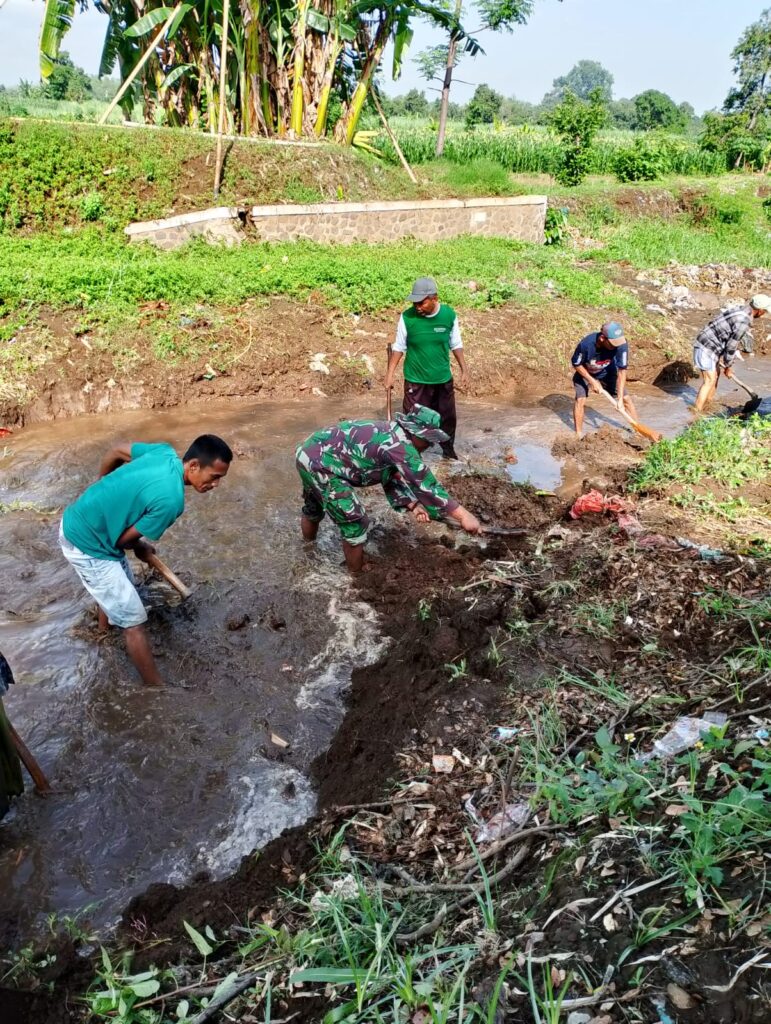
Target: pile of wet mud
(602, 458)
(497, 502)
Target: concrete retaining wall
(222, 224)
(520, 217)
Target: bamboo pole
(138, 67)
(223, 86)
(392, 137)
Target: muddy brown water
(160, 786)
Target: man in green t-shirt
(427, 332)
(139, 494)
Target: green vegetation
(576, 122)
(716, 471)
(57, 174)
(102, 275)
(529, 150)
(728, 452)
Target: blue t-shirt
(600, 362)
(148, 493)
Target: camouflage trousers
(325, 493)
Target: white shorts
(110, 583)
(703, 359)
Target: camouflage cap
(422, 422)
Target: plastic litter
(505, 732)
(706, 553)
(511, 817)
(683, 734)
(594, 502)
(664, 1018)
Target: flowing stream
(160, 785)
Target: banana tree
(391, 19)
(285, 57)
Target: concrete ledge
(222, 224)
(517, 217)
(342, 209)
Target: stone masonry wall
(221, 224)
(519, 217)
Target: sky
(681, 47)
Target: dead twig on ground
(435, 923)
(224, 998)
(501, 844)
(631, 890)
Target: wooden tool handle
(168, 575)
(651, 434)
(42, 784)
(389, 392)
(743, 386)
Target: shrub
(556, 224)
(92, 206)
(577, 122)
(644, 161)
(767, 207)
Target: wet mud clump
(603, 458)
(498, 502)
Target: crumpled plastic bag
(513, 816)
(595, 502)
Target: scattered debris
(684, 734)
(443, 763)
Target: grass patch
(480, 177)
(99, 272)
(729, 452)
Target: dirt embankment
(269, 350)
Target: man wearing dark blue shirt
(600, 362)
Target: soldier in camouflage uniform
(359, 453)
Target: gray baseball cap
(423, 287)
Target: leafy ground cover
(69, 174)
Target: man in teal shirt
(427, 332)
(140, 493)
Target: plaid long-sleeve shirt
(727, 332)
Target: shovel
(493, 531)
(754, 401)
(29, 761)
(648, 432)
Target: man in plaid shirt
(718, 343)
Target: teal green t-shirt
(147, 493)
(427, 360)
